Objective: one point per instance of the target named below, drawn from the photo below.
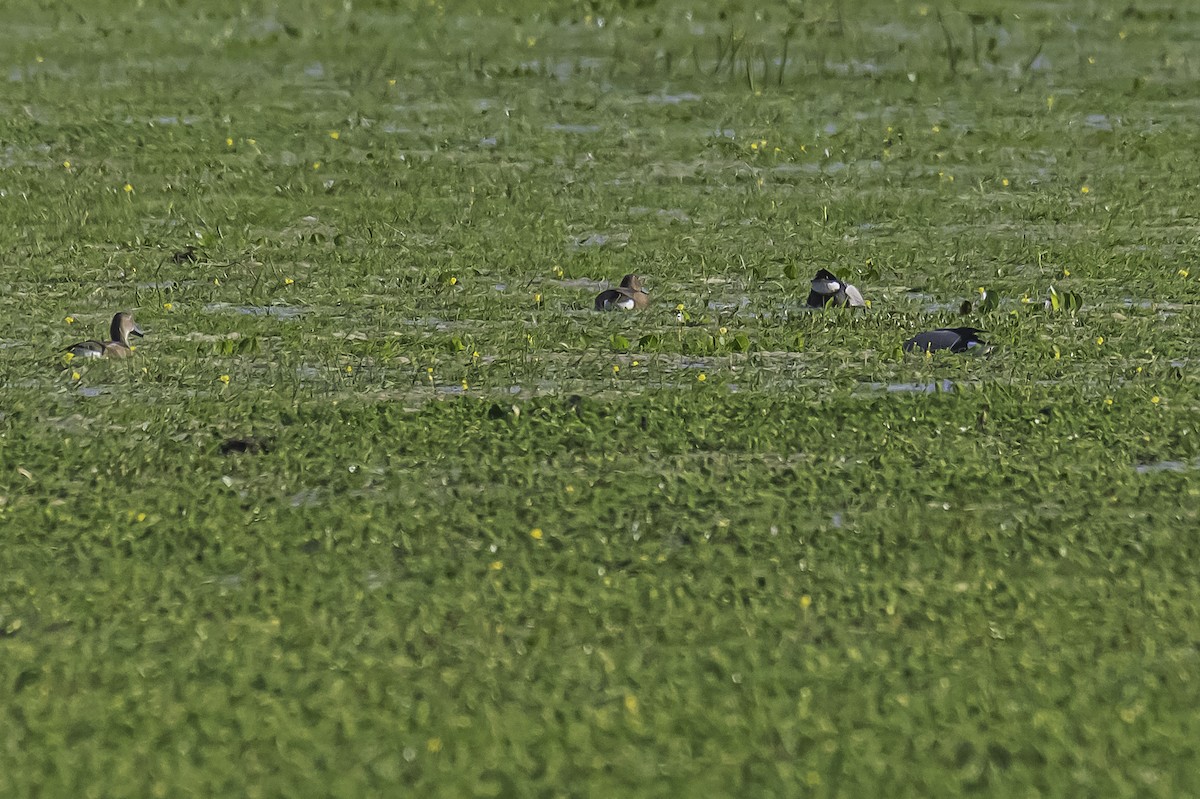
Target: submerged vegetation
(380, 499)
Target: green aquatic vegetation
(379, 500)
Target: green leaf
(650, 342)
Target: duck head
(123, 327)
(633, 283)
(825, 283)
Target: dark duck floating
(828, 290)
(955, 339)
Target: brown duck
(121, 329)
(629, 296)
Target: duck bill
(137, 331)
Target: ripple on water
(673, 99)
(912, 388)
(562, 127)
(598, 239)
(675, 214)
(277, 311)
(1167, 466)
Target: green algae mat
(380, 506)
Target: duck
(828, 290)
(121, 329)
(955, 339)
(628, 297)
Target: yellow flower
(631, 704)
(75, 375)
(167, 306)
(70, 320)
(333, 134)
(1091, 59)
(391, 81)
(537, 298)
(453, 281)
(723, 331)
(536, 534)
(1099, 340)
(128, 188)
(1155, 400)
(316, 164)
(1108, 400)
(349, 369)
(228, 142)
(141, 517)
(530, 41)
(66, 164)
(635, 363)
(434, 745)
(287, 281)
(701, 377)
(224, 379)
(496, 565)
(1182, 273)
(936, 129)
(1084, 189)
(805, 602)
(1004, 182)
(616, 368)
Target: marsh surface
(485, 541)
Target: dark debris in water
(250, 445)
(188, 255)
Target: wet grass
(381, 501)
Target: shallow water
(277, 311)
